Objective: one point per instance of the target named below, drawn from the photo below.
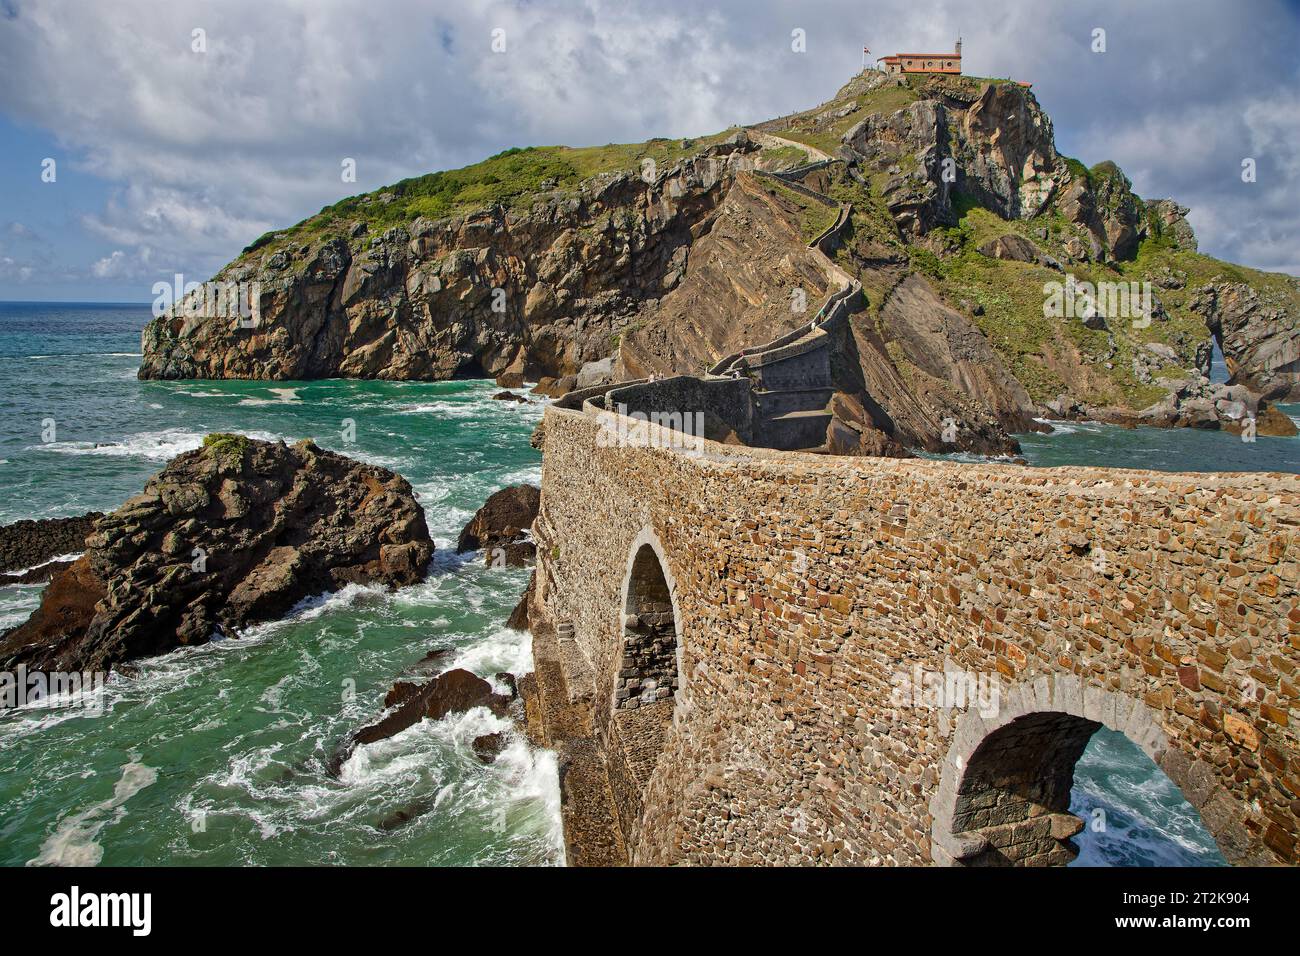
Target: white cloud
(14, 271)
(211, 149)
(111, 267)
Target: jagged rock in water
(501, 526)
(456, 691)
(488, 746)
(27, 543)
(225, 536)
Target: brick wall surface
(807, 590)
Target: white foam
(283, 396)
(71, 556)
(161, 445)
(502, 650)
(75, 841)
(444, 408)
(310, 608)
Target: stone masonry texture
(801, 587)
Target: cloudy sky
(169, 158)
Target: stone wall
(725, 404)
(807, 592)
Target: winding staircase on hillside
(789, 378)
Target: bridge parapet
(815, 599)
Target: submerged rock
(456, 691)
(225, 536)
(407, 814)
(489, 746)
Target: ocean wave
(75, 841)
(516, 794)
(161, 445)
(283, 396)
(1061, 427)
(59, 355)
(502, 650)
(71, 556)
(447, 409)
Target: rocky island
(614, 264)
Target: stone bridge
(752, 656)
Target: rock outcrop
(455, 691)
(1197, 403)
(27, 543)
(1259, 334)
(224, 536)
(997, 149)
(530, 291)
(501, 527)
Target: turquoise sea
(214, 755)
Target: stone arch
(650, 665)
(647, 695)
(1004, 791)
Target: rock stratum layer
(620, 262)
(27, 543)
(228, 535)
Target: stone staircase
(791, 374)
(790, 377)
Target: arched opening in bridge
(647, 673)
(1039, 788)
(646, 682)
(1133, 814)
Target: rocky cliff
(538, 282)
(225, 536)
(663, 257)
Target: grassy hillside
(513, 179)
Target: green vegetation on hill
(814, 217)
(512, 179)
(1010, 295)
(823, 128)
